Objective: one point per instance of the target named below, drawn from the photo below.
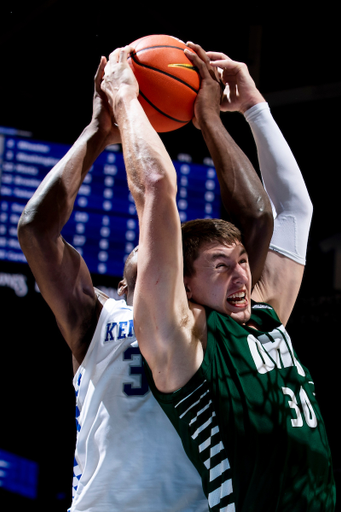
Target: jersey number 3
(133, 354)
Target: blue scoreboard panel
(18, 475)
(103, 226)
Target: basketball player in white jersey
(128, 456)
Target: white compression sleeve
(284, 184)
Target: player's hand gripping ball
(168, 81)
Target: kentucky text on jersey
(119, 330)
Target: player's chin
(240, 314)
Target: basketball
(168, 82)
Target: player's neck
(252, 324)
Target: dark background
(49, 53)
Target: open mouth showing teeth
(237, 299)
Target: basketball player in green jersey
(221, 363)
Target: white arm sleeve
(284, 184)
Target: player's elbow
(266, 221)
(26, 225)
(34, 229)
(302, 208)
(263, 214)
(308, 208)
(27, 230)
(259, 221)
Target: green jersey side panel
(250, 422)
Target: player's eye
(221, 266)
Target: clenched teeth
(237, 297)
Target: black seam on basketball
(163, 72)
(161, 112)
(158, 46)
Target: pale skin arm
(61, 273)
(281, 277)
(163, 320)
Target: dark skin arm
(242, 192)
(61, 273)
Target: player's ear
(122, 288)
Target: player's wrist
(123, 106)
(98, 130)
(210, 121)
(209, 117)
(252, 100)
(96, 136)
(207, 112)
(123, 98)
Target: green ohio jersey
(250, 423)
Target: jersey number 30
(308, 411)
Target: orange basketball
(168, 81)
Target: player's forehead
(213, 250)
(211, 253)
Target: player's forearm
(284, 183)
(51, 205)
(277, 162)
(148, 164)
(243, 194)
(241, 189)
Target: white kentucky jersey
(128, 455)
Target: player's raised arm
(284, 265)
(243, 194)
(61, 273)
(162, 318)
